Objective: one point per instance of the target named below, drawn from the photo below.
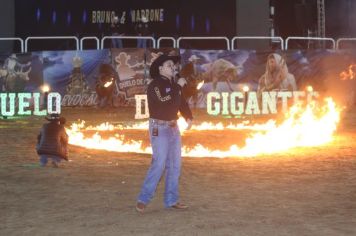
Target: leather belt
(171, 123)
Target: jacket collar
(164, 78)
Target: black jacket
(165, 99)
(53, 140)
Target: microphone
(176, 74)
(178, 79)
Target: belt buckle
(172, 123)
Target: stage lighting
(109, 83)
(200, 85)
(45, 88)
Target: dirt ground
(310, 191)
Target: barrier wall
(74, 73)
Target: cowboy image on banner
(129, 64)
(14, 74)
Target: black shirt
(165, 99)
(53, 140)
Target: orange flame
(200, 84)
(348, 74)
(107, 84)
(302, 127)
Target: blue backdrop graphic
(75, 72)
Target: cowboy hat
(53, 117)
(154, 68)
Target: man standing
(142, 31)
(165, 99)
(116, 28)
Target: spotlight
(45, 88)
(245, 88)
(309, 89)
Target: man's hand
(190, 123)
(181, 82)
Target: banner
(20, 73)
(129, 65)
(75, 74)
(231, 71)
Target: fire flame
(200, 84)
(349, 73)
(245, 125)
(107, 84)
(302, 127)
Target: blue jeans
(105, 102)
(44, 159)
(141, 43)
(116, 43)
(166, 156)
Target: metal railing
(90, 38)
(15, 39)
(343, 40)
(51, 37)
(205, 38)
(128, 37)
(166, 38)
(310, 38)
(230, 44)
(256, 37)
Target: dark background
(219, 14)
(294, 17)
(23, 18)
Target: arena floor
(310, 191)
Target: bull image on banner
(235, 71)
(20, 73)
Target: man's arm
(64, 141)
(38, 138)
(64, 135)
